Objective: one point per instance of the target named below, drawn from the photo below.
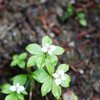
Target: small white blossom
(13, 88)
(17, 88)
(58, 81)
(59, 76)
(48, 48)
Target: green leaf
(20, 96)
(46, 40)
(22, 56)
(5, 89)
(58, 50)
(15, 56)
(14, 63)
(69, 12)
(33, 48)
(64, 67)
(70, 9)
(21, 64)
(83, 22)
(24, 92)
(66, 83)
(21, 79)
(31, 61)
(11, 97)
(41, 75)
(75, 97)
(66, 16)
(46, 87)
(56, 90)
(80, 15)
(40, 61)
(51, 62)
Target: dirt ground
(26, 21)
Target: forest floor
(27, 21)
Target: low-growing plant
(69, 12)
(19, 60)
(81, 18)
(42, 67)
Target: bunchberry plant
(19, 60)
(44, 55)
(16, 91)
(43, 59)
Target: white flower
(18, 88)
(13, 88)
(48, 48)
(59, 76)
(58, 81)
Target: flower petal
(17, 85)
(53, 47)
(50, 52)
(63, 77)
(55, 75)
(13, 88)
(44, 49)
(61, 72)
(18, 91)
(58, 81)
(21, 88)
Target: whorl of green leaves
(44, 64)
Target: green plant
(43, 60)
(80, 15)
(19, 60)
(81, 18)
(17, 90)
(70, 11)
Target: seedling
(80, 15)
(81, 18)
(70, 11)
(19, 60)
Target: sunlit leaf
(41, 75)
(46, 40)
(46, 87)
(56, 90)
(33, 48)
